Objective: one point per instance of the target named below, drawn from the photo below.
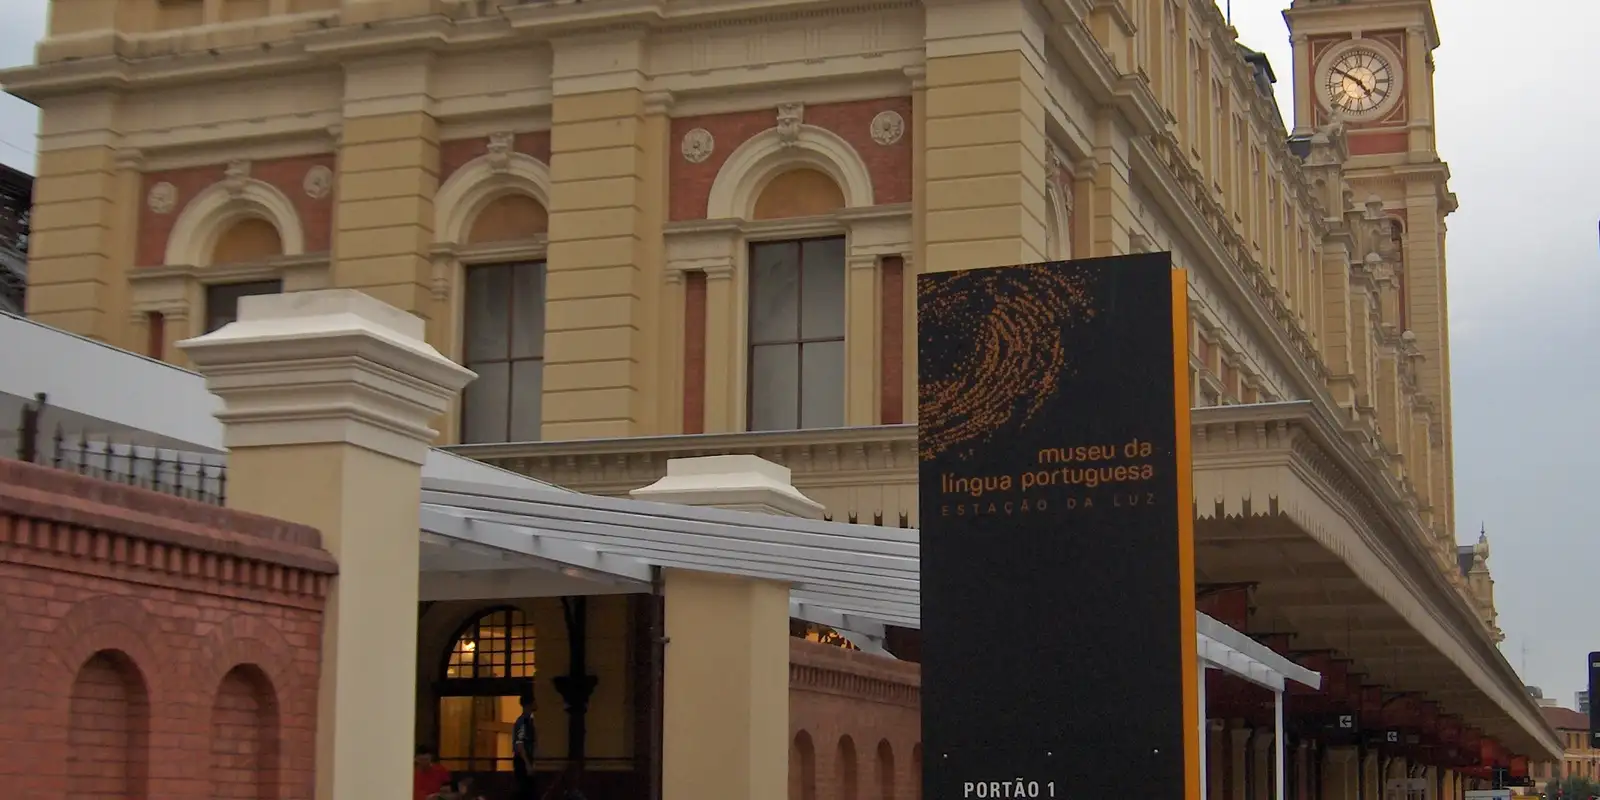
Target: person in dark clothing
(524, 744)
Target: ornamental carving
(163, 198)
(790, 117)
(235, 177)
(698, 145)
(888, 127)
(500, 149)
(318, 182)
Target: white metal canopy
(854, 578)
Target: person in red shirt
(429, 776)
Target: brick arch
(802, 767)
(216, 209)
(107, 726)
(249, 666)
(847, 765)
(752, 165)
(246, 737)
(886, 781)
(104, 622)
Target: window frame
(208, 313)
(800, 342)
(511, 264)
(445, 687)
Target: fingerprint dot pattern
(1000, 332)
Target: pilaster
(1110, 213)
(985, 141)
(85, 209)
(608, 194)
(327, 397)
(387, 177)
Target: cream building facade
(663, 229)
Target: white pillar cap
(335, 365)
(740, 483)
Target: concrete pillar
(1262, 763)
(607, 201)
(1238, 772)
(1371, 777)
(1339, 773)
(985, 141)
(725, 720)
(1302, 771)
(327, 396)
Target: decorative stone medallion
(697, 145)
(163, 198)
(888, 127)
(318, 182)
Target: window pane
(822, 385)
(222, 300)
(487, 305)
(774, 285)
(822, 288)
(774, 387)
(485, 404)
(527, 310)
(527, 384)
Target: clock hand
(1364, 90)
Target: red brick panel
(287, 175)
(889, 165)
(123, 615)
(694, 352)
(854, 714)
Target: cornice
(1412, 563)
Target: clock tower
(1368, 65)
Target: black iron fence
(195, 476)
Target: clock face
(1359, 81)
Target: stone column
(1262, 759)
(985, 140)
(725, 722)
(1238, 755)
(607, 202)
(327, 396)
(1339, 773)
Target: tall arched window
(489, 667)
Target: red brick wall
(287, 175)
(854, 719)
(889, 165)
(152, 646)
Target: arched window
(488, 668)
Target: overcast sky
(1517, 116)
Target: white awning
(856, 579)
